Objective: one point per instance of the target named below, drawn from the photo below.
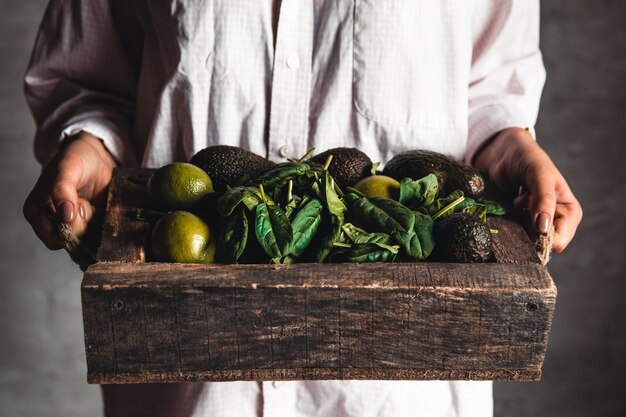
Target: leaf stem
(306, 155)
(448, 208)
(289, 191)
(342, 245)
(328, 161)
(263, 194)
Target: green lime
(379, 186)
(180, 236)
(179, 186)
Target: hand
(70, 189)
(513, 159)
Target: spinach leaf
(363, 252)
(305, 225)
(477, 210)
(419, 193)
(382, 214)
(422, 242)
(391, 217)
(250, 196)
(292, 205)
(336, 207)
(233, 238)
(493, 207)
(358, 235)
(272, 229)
(329, 240)
(280, 173)
(441, 203)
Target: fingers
(64, 192)
(567, 217)
(514, 158)
(549, 201)
(62, 195)
(540, 179)
(41, 215)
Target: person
(137, 83)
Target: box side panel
(195, 332)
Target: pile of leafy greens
(295, 212)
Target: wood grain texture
(155, 322)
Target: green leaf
(280, 173)
(336, 207)
(233, 239)
(381, 214)
(493, 207)
(273, 230)
(363, 253)
(388, 216)
(419, 193)
(292, 205)
(250, 196)
(442, 202)
(477, 210)
(422, 243)
(327, 244)
(305, 225)
(358, 235)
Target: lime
(379, 186)
(180, 236)
(179, 186)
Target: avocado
(226, 165)
(348, 166)
(451, 174)
(461, 237)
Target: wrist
(502, 143)
(96, 144)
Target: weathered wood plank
(314, 374)
(511, 243)
(124, 237)
(485, 277)
(256, 320)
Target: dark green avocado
(461, 237)
(452, 174)
(226, 165)
(348, 166)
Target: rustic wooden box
(155, 322)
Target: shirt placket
(291, 80)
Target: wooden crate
(156, 322)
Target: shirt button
(275, 384)
(293, 62)
(285, 151)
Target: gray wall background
(582, 125)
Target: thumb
(64, 192)
(541, 185)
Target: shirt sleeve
(81, 78)
(507, 73)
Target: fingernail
(66, 211)
(81, 211)
(543, 222)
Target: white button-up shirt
(159, 80)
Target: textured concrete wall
(582, 125)
(42, 360)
